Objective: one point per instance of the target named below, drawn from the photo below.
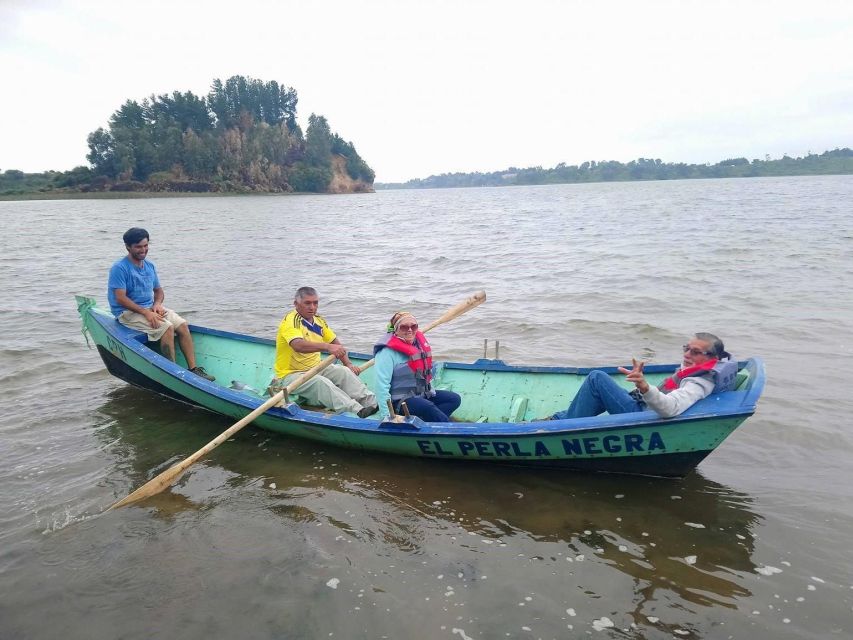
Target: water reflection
(680, 542)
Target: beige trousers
(336, 388)
(140, 323)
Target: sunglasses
(408, 327)
(696, 352)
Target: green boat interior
(491, 390)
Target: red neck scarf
(671, 383)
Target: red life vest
(410, 378)
(419, 353)
(672, 383)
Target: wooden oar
(454, 312)
(170, 475)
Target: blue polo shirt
(138, 283)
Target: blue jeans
(599, 393)
(435, 409)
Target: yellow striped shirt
(293, 326)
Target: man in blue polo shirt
(136, 300)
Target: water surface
(271, 537)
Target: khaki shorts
(137, 321)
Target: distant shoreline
(834, 162)
(136, 195)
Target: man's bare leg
(167, 344)
(185, 339)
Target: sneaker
(201, 373)
(368, 411)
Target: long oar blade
(171, 475)
(454, 312)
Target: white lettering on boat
(589, 446)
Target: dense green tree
(101, 151)
(264, 101)
(181, 110)
(318, 142)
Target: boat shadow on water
(690, 539)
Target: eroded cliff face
(341, 180)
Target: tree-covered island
(242, 137)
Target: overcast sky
(427, 87)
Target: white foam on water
(690, 559)
(333, 583)
(767, 570)
(816, 579)
(602, 623)
(811, 587)
(461, 633)
(571, 612)
(695, 525)
(69, 519)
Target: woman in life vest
(706, 367)
(403, 371)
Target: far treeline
(241, 137)
(838, 161)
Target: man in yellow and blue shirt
(302, 337)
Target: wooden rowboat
(498, 416)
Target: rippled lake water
(271, 537)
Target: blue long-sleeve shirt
(383, 370)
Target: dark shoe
(368, 411)
(201, 373)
